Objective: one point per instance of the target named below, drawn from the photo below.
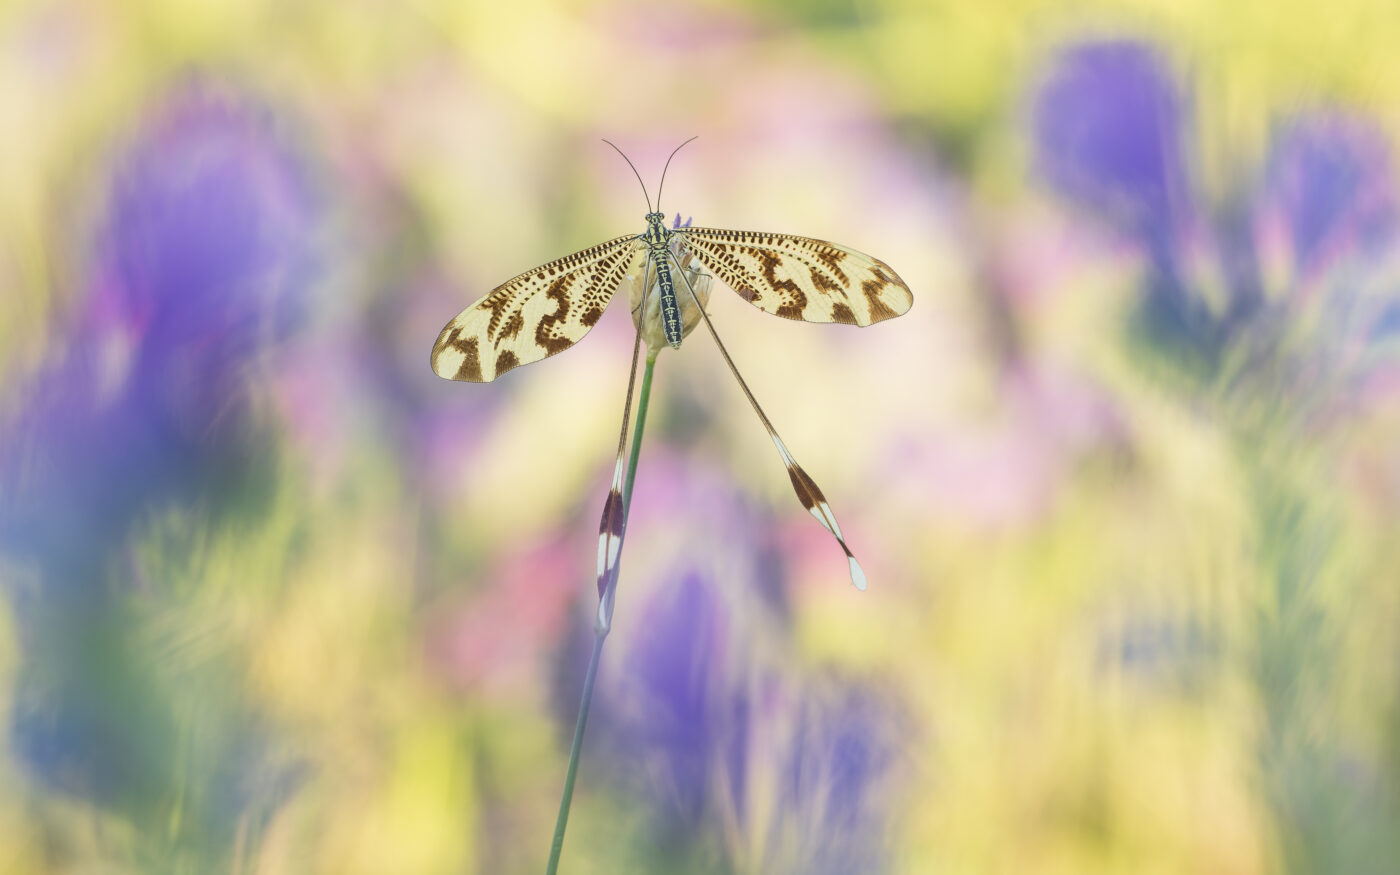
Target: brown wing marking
(799, 277)
(537, 314)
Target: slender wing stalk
(806, 488)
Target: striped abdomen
(670, 309)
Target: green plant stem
(567, 799)
(600, 630)
(637, 437)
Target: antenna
(638, 175)
(668, 164)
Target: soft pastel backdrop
(1125, 480)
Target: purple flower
(1107, 128)
(205, 249)
(1169, 650)
(1329, 183)
(205, 252)
(707, 728)
(1108, 136)
(1108, 131)
(730, 747)
(1325, 215)
(838, 765)
(684, 632)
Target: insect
(546, 310)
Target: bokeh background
(1125, 480)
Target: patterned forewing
(801, 278)
(535, 315)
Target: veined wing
(801, 278)
(535, 315)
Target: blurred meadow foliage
(1125, 480)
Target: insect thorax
(656, 234)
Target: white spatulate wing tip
(857, 574)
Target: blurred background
(1125, 480)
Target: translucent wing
(801, 278)
(537, 314)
